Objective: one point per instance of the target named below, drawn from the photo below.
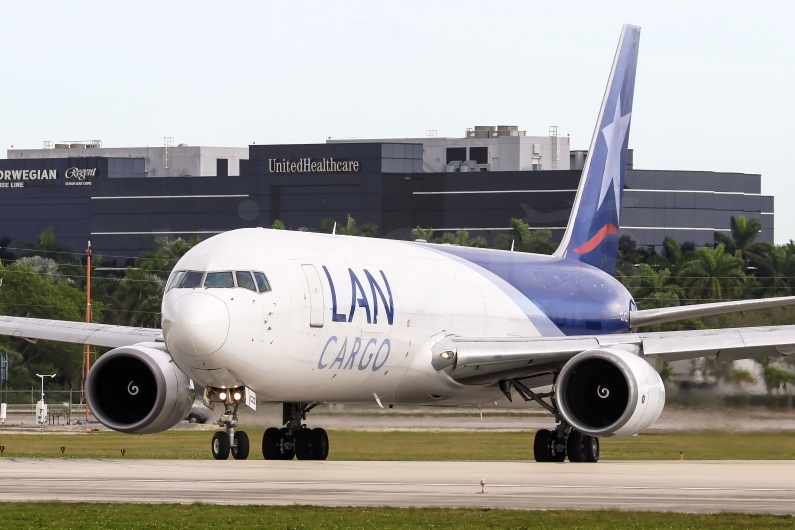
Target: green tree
(742, 242)
(421, 233)
(776, 271)
(25, 293)
(48, 246)
(652, 289)
(277, 225)
(524, 239)
(461, 238)
(349, 228)
(774, 376)
(712, 275)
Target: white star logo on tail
(614, 135)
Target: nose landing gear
(228, 441)
(295, 438)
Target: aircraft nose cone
(199, 324)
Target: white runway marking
(746, 486)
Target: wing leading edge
(488, 360)
(648, 317)
(33, 329)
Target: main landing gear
(555, 445)
(295, 438)
(229, 441)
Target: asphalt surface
(683, 486)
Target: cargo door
(316, 307)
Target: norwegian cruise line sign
(18, 178)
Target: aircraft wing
(647, 317)
(33, 329)
(487, 360)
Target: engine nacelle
(609, 392)
(138, 390)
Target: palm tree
(742, 243)
(525, 240)
(461, 238)
(349, 228)
(777, 271)
(712, 275)
(421, 233)
(652, 289)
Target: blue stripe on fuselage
(575, 298)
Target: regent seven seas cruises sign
(15, 178)
(309, 165)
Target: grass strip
(356, 445)
(199, 516)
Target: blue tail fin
(592, 233)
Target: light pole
(42, 407)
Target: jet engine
(609, 392)
(138, 390)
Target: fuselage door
(316, 306)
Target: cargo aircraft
(263, 316)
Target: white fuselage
(346, 318)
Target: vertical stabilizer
(592, 233)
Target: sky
(714, 88)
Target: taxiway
(742, 486)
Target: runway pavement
(742, 486)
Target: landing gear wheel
(220, 446)
(542, 445)
(575, 446)
(271, 444)
(591, 449)
(319, 444)
(303, 445)
(287, 445)
(241, 449)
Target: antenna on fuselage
(334, 230)
(512, 242)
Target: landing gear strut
(295, 438)
(228, 441)
(555, 445)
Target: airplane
(271, 316)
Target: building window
(480, 155)
(243, 167)
(222, 167)
(456, 154)
(119, 168)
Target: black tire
(242, 447)
(320, 446)
(271, 444)
(220, 446)
(575, 446)
(304, 449)
(286, 454)
(542, 445)
(592, 449)
(192, 418)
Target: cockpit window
(222, 280)
(245, 281)
(174, 281)
(262, 282)
(191, 279)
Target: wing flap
(77, 332)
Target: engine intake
(609, 392)
(138, 390)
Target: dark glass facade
(122, 212)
